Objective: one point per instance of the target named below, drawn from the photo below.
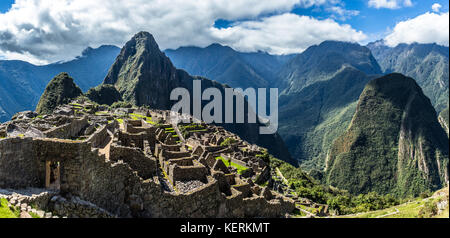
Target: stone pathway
(20, 199)
(389, 214)
(107, 148)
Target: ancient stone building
(128, 165)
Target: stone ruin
(134, 163)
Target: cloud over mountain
(426, 28)
(43, 31)
(286, 33)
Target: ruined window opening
(52, 175)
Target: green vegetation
(367, 157)
(61, 90)
(310, 120)
(104, 94)
(5, 212)
(228, 142)
(339, 201)
(415, 208)
(185, 130)
(121, 104)
(240, 168)
(135, 116)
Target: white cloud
(43, 31)
(286, 33)
(426, 28)
(436, 7)
(342, 13)
(391, 4)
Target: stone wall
(69, 130)
(17, 169)
(117, 188)
(99, 137)
(144, 165)
(76, 208)
(187, 173)
(2, 134)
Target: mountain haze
(321, 62)
(227, 66)
(22, 83)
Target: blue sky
(5, 5)
(374, 22)
(43, 31)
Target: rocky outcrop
(394, 144)
(443, 119)
(61, 90)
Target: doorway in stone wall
(52, 175)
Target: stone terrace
(135, 163)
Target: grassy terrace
(135, 116)
(239, 167)
(120, 120)
(192, 128)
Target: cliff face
(394, 143)
(61, 90)
(143, 75)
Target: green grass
(136, 116)
(203, 130)
(5, 212)
(410, 209)
(239, 167)
(407, 210)
(169, 130)
(34, 215)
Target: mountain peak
(141, 66)
(59, 91)
(144, 41)
(394, 144)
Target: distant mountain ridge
(230, 67)
(428, 64)
(22, 83)
(321, 62)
